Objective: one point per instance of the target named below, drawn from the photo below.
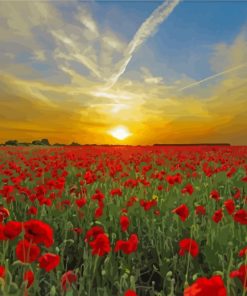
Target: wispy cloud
(213, 76)
(147, 28)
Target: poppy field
(123, 221)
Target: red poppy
(242, 252)
(241, 217)
(182, 211)
(29, 277)
(237, 193)
(147, 204)
(93, 232)
(67, 279)
(160, 187)
(101, 245)
(2, 272)
(230, 206)
(188, 245)
(49, 261)
(116, 191)
(215, 195)
(98, 212)
(128, 246)
(200, 210)
(124, 222)
(244, 179)
(241, 273)
(188, 189)
(157, 212)
(98, 195)
(130, 293)
(207, 287)
(218, 215)
(27, 252)
(39, 232)
(32, 211)
(12, 229)
(4, 213)
(81, 202)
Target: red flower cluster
(182, 211)
(207, 287)
(128, 246)
(188, 245)
(241, 273)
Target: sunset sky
(165, 71)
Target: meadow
(123, 221)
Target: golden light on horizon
(120, 132)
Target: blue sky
(185, 40)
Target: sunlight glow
(120, 132)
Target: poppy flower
(215, 195)
(148, 204)
(49, 261)
(39, 232)
(218, 215)
(93, 232)
(241, 217)
(124, 222)
(242, 252)
(4, 213)
(157, 212)
(98, 212)
(182, 211)
(27, 252)
(67, 279)
(230, 206)
(29, 277)
(81, 202)
(188, 189)
(200, 210)
(116, 191)
(98, 195)
(2, 272)
(101, 245)
(237, 193)
(128, 246)
(188, 245)
(205, 287)
(130, 293)
(32, 211)
(12, 229)
(241, 273)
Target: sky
(166, 71)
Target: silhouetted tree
(11, 142)
(45, 142)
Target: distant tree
(36, 142)
(11, 142)
(45, 142)
(75, 144)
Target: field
(123, 221)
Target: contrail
(213, 76)
(146, 29)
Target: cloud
(143, 33)
(214, 76)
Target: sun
(120, 132)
